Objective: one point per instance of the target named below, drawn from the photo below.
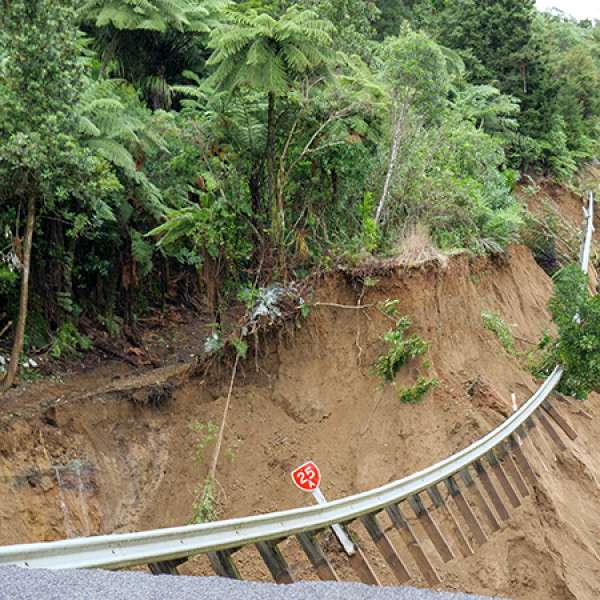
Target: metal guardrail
(164, 545)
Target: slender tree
(41, 160)
(258, 51)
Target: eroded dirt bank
(121, 458)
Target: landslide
(122, 456)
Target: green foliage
(354, 22)
(150, 43)
(416, 70)
(184, 147)
(204, 508)
(414, 394)
(155, 15)
(206, 436)
(68, 341)
(577, 347)
(494, 323)
(241, 347)
(261, 52)
(402, 349)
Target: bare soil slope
(121, 457)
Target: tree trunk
(277, 224)
(280, 182)
(17, 349)
(68, 301)
(396, 138)
(209, 279)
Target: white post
(338, 530)
(515, 407)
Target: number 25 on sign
(307, 476)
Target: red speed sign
(307, 476)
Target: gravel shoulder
(23, 584)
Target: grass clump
(494, 323)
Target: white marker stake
(338, 530)
(515, 407)
(308, 478)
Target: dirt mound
(117, 459)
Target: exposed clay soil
(100, 455)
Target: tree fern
(114, 125)
(149, 42)
(155, 15)
(256, 50)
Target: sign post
(308, 478)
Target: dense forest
(196, 151)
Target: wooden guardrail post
(488, 486)
(309, 543)
(166, 567)
(438, 502)
(412, 543)
(276, 563)
(430, 527)
(360, 565)
(552, 433)
(464, 508)
(503, 479)
(522, 461)
(511, 468)
(481, 502)
(386, 548)
(559, 420)
(223, 565)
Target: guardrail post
(479, 499)
(430, 527)
(522, 461)
(464, 508)
(412, 543)
(559, 420)
(511, 468)
(309, 543)
(275, 561)
(386, 548)
(488, 486)
(439, 503)
(359, 563)
(223, 564)
(503, 479)
(552, 433)
(166, 567)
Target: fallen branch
(215, 460)
(346, 306)
(6, 328)
(104, 347)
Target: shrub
(402, 349)
(494, 323)
(577, 347)
(415, 394)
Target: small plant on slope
(494, 323)
(402, 349)
(414, 394)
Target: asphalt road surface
(25, 584)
